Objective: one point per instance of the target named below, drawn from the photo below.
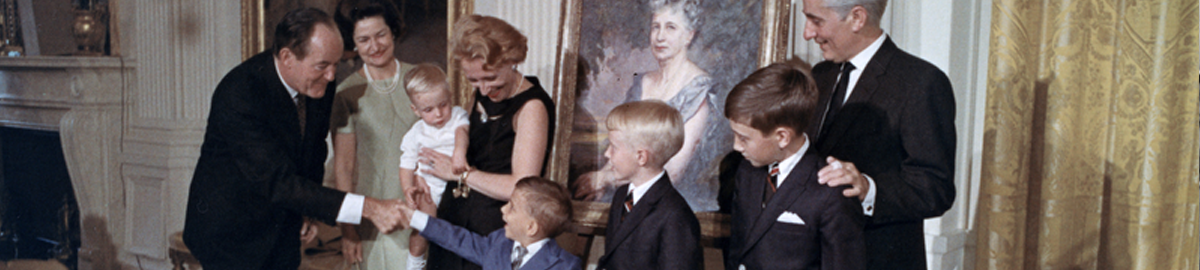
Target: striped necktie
(520, 252)
(628, 204)
(772, 184)
(301, 107)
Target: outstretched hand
(417, 191)
(841, 173)
(385, 214)
(420, 198)
(406, 214)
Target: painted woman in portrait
(667, 70)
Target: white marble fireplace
(131, 124)
(81, 98)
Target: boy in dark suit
(538, 212)
(782, 218)
(650, 225)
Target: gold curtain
(1090, 153)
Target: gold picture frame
(254, 28)
(591, 217)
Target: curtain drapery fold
(1090, 156)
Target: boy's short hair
(425, 78)
(547, 202)
(651, 124)
(779, 95)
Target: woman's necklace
(383, 89)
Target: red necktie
(772, 185)
(628, 205)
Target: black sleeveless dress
(490, 150)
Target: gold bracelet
(462, 190)
(463, 177)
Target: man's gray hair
(874, 8)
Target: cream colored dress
(379, 119)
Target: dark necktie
(628, 204)
(300, 111)
(772, 184)
(516, 262)
(838, 97)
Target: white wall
(539, 21)
(182, 49)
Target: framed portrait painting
(687, 53)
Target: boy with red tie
(782, 218)
(650, 225)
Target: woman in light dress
(371, 114)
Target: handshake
(391, 215)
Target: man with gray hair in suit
(885, 121)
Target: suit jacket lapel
(754, 190)
(826, 81)
(505, 253)
(866, 87)
(282, 103)
(791, 189)
(640, 210)
(545, 258)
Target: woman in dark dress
(511, 127)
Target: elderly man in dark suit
(887, 127)
(263, 155)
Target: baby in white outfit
(442, 128)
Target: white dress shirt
(786, 165)
(638, 191)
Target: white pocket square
(789, 217)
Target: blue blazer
(495, 250)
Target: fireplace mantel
(82, 99)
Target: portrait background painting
(614, 46)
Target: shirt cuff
(419, 220)
(352, 207)
(868, 203)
